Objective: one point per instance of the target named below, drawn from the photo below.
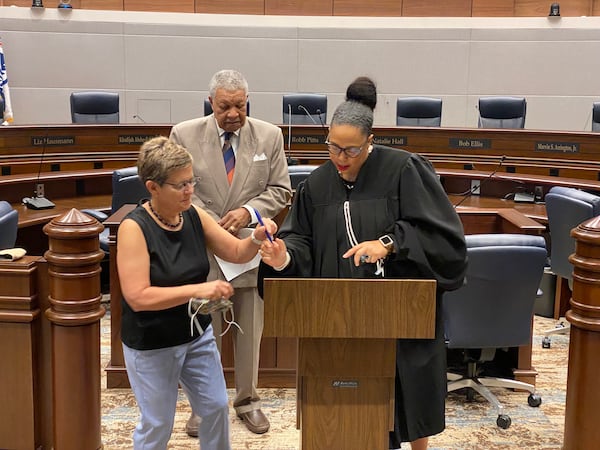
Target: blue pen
(260, 221)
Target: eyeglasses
(183, 185)
(351, 152)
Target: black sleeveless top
(176, 258)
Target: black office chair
(566, 208)
(126, 188)
(95, 107)
(298, 173)
(494, 310)
(419, 111)
(305, 109)
(502, 112)
(596, 116)
(208, 108)
(9, 224)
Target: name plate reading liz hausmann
(135, 139)
(43, 141)
(390, 141)
(470, 143)
(560, 147)
(344, 384)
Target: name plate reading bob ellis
(560, 147)
(469, 143)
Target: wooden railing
(77, 160)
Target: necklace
(349, 184)
(163, 221)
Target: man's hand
(234, 220)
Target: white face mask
(205, 306)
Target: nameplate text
(470, 143)
(560, 147)
(308, 139)
(134, 139)
(43, 141)
(353, 384)
(390, 141)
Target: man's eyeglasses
(351, 152)
(183, 185)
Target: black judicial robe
(397, 193)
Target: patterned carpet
(469, 425)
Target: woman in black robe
(369, 212)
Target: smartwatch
(387, 241)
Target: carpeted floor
(469, 425)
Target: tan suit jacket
(260, 180)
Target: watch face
(386, 241)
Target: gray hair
(354, 114)
(228, 79)
(158, 157)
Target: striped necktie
(228, 156)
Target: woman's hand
(273, 253)
(366, 252)
(214, 290)
(270, 227)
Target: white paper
(232, 270)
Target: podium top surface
(349, 308)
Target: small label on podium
(345, 384)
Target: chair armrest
(98, 215)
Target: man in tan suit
(260, 181)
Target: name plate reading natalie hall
(560, 147)
(470, 143)
(43, 141)
(135, 139)
(308, 139)
(390, 141)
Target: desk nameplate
(557, 147)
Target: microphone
(291, 161)
(323, 127)
(305, 111)
(481, 183)
(39, 201)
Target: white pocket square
(260, 157)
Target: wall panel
(493, 8)
(381, 8)
(18, 2)
(541, 8)
(231, 6)
(436, 8)
(161, 63)
(299, 7)
(116, 5)
(186, 6)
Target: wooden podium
(347, 330)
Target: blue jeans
(154, 376)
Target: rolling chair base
(560, 328)
(481, 385)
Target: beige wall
(161, 63)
